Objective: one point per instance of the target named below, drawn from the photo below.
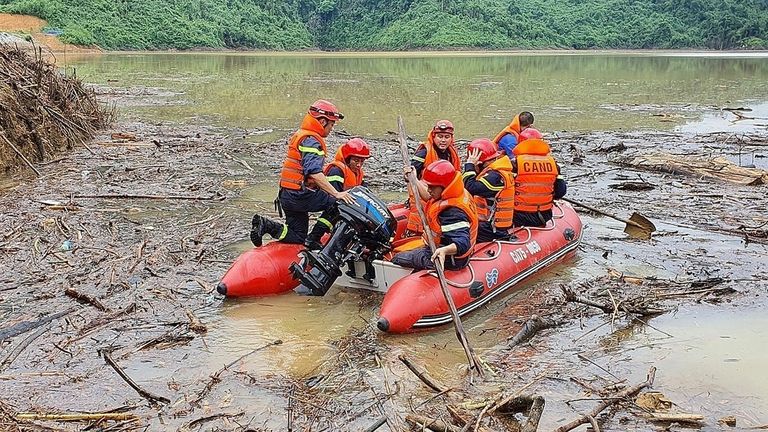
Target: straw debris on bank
(42, 111)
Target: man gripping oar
(445, 190)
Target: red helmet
(439, 173)
(530, 133)
(355, 147)
(444, 126)
(321, 108)
(487, 149)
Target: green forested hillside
(405, 24)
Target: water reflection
(481, 91)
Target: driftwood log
(571, 296)
(585, 418)
(719, 168)
(85, 298)
(529, 329)
(116, 416)
(423, 375)
(153, 398)
(22, 346)
(26, 326)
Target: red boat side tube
(417, 302)
(261, 271)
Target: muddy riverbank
(113, 253)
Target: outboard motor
(362, 232)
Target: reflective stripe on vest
(535, 182)
(414, 221)
(292, 174)
(463, 203)
(350, 179)
(502, 209)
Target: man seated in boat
(439, 146)
(343, 173)
(303, 186)
(488, 178)
(509, 137)
(537, 183)
(451, 215)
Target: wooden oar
(637, 226)
(474, 362)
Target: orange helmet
(529, 133)
(321, 108)
(444, 126)
(439, 173)
(487, 149)
(355, 147)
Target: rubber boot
(273, 228)
(260, 226)
(257, 230)
(313, 239)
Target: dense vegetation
(405, 24)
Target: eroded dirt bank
(113, 253)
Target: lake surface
(480, 92)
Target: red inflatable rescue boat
(416, 300)
(412, 300)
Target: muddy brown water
(710, 365)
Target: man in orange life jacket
(509, 137)
(452, 217)
(303, 186)
(439, 146)
(537, 183)
(488, 178)
(343, 173)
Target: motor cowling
(362, 232)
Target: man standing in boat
(439, 146)
(537, 183)
(343, 173)
(509, 137)
(303, 186)
(488, 178)
(451, 215)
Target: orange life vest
(292, 175)
(536, 175)
(453, 196)
(512, 128)
(414, 222)
(351, 179)
(503, 208)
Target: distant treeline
(404, 24)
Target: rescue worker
(509, 137)
(343, 173)
(439, 146)
(537, 183)
(488, 178)
(303, 186)
(451, 216)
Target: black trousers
(296, 206)
(419, 259)
(532, 219)
(485, 233)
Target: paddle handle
(474, 362)
(613, 216)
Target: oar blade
(642, 227)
